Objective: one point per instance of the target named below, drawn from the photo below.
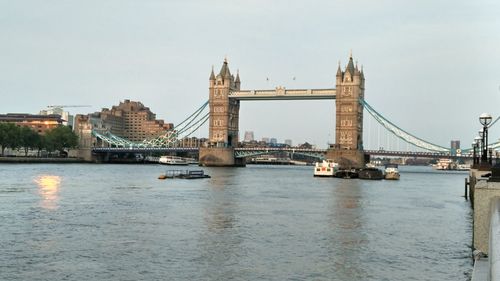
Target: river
(119, 222)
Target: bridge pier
(219, 157)
(347, 158)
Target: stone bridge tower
(224, 120)
(350, 89)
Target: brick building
(130, 120)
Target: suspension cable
(400, 133)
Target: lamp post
(481, 143)
(477, 146)
(474, 155)
(485, 120)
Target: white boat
(463, 167)
(391, 172)
(327, 168)
(445, 164)
(173, 160)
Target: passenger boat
(173, 160)
(445, 164)
(184, 174)
(326, 168)
(370, 174)
(391, 172)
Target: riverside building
(38, 123)
(130, 120)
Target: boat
(184, 174)
(173, 160)
(326, 168)
(391, 172)
(347, 174)
(445, 164)
(370, 174)
(463, 167)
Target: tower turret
(212, 78)
(237, 82)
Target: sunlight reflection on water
(48, 188)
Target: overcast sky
(431, 66)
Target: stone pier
(219, 157)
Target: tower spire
(224, 71)
(212, 74)
(237, 76)
(350, 65)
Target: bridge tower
(350, 88)
(224, 120)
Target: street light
(474, 155)
(485, 120)
(479, 146)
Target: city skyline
(431, 67)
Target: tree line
(21, 137)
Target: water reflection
(48, 188)
(221, 243)
(346, 222)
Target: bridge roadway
(280, 93)
(245, 152)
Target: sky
(431, 66)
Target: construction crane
(64, 106)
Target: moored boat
(173, 160)
(326, 168)
(463, 167)
(347, 174)
(370, 174)
(391, 172)
(445, 164)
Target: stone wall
(485, 193)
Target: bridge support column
(219, 157)
(347, 158)
(85, 154)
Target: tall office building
(455, 147)
(455, 144)
(66, 117)
(248, 136)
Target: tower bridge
(222, 112)
(225, 96)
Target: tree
(3, 136)
(60, 138)
(29, 139)
(9, 136)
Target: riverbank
(38, 160)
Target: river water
(119, 222)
